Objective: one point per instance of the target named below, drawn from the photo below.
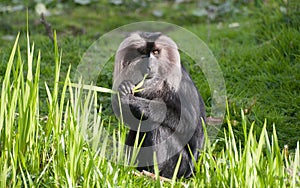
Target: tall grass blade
(296, 168)
(6, 85)
(176, 169)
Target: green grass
(42, 118)
(54, 152)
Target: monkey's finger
(126, 88)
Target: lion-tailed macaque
(158, 99)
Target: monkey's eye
(156, 51)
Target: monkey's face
(153, 54)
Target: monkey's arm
(154, 110)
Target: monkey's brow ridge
(150, 36)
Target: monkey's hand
(141, 108)
(138, 106)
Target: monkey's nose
(148, 66)
(150, 62)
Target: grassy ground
(259, 60)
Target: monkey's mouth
(149, 76)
